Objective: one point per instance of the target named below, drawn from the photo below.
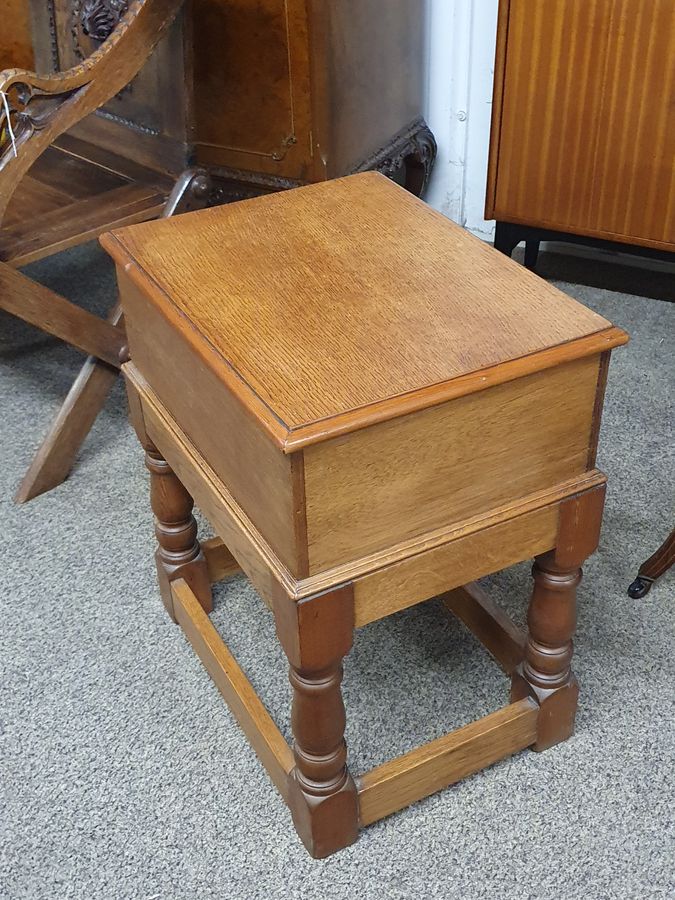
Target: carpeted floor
(124, 775)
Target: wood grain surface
(429, 768)
(374, 488)
(340, 296)
(584, 129)
(260, 478)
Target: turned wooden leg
(316, 635)
(179, 554)
(546, 672)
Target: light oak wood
(468, 557)
(258, 562)
(345, 519)
(385, 582)
(246, 706)
(333, 263)
(489, 623)
(445, 761)
(583, 135)
(448, 463)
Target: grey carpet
(124, 775)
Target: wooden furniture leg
(56, 456)
(179, 554)
(531, 254)
(656, 566)
(546, 674)
(506, 240)
(316, 635)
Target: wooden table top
(351, 300)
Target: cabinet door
(633, 192)
(585, 136)
(252, 92)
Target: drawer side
(259, 476)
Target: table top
(344, 303)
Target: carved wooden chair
(53, 195)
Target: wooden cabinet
(265, 93)
(583, 138)
(15, 37)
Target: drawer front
(375, 488)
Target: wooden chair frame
(36, 110)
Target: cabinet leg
(546, 673)
(420, 161)
(316, 635)
(179, 554)
(506, 240)
(531, 254)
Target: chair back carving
(36, 109)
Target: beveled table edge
(291, 439)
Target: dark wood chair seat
(75, 192)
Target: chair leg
(56, 456)
(656, 566)
(52, 463)
(57, 453)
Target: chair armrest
(42, 107)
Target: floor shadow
(606, 275)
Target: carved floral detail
(99, 17)
(92, 23)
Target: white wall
(461, 49)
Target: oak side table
(372, 408)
